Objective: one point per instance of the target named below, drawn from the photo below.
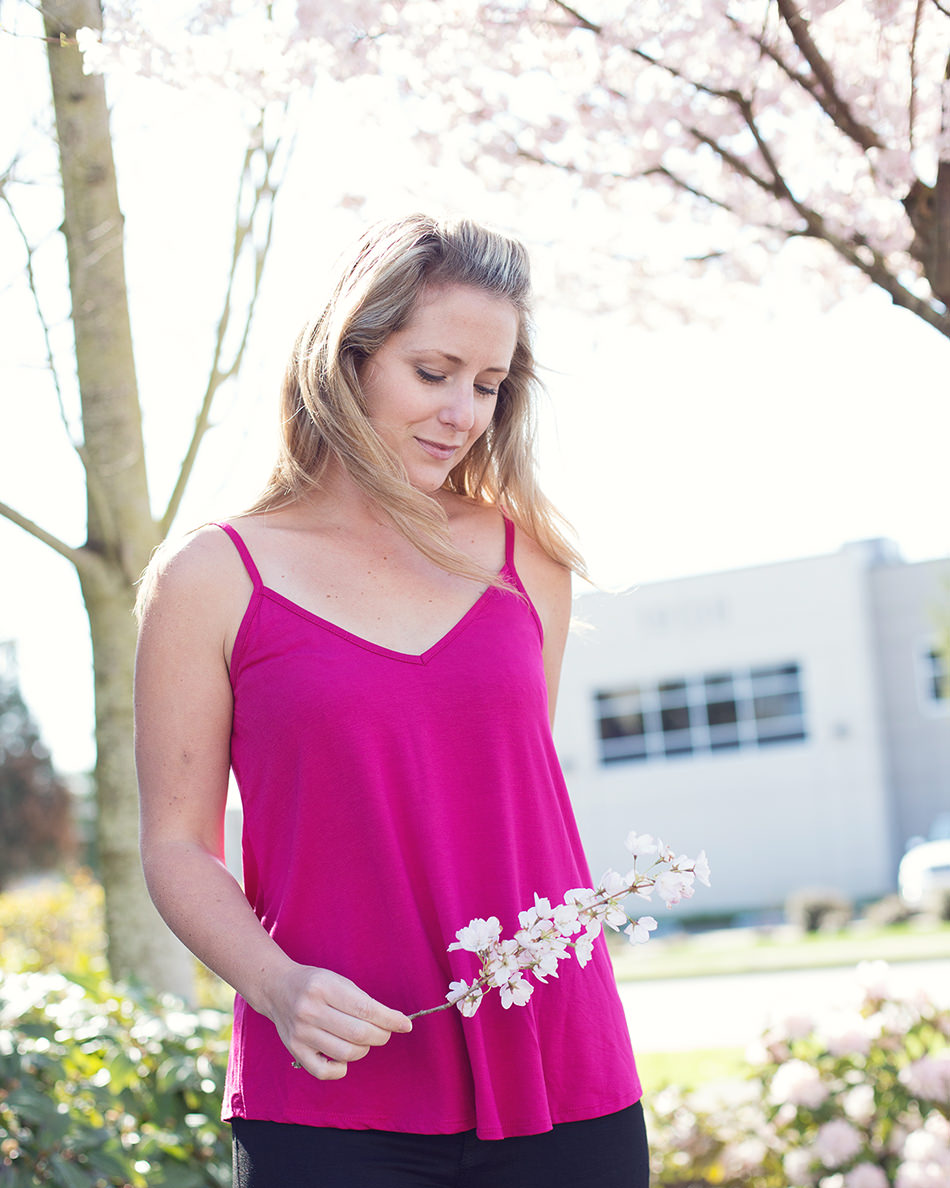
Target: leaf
(69, 1174)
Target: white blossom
(799, 1084)
(477, 936)
(858, 1103)
(837, 1142)
(516, 992)
(674, 885)
(639, 931)
(866, 1175)
(797, 1165)
(929, 1077)
(641, 845)
(466, 997)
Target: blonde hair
(322, 407)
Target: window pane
(724, 736)
(621, 725)
(676, 718)
(613, 750)
(789, 733)
(677, 742)
(777, 705)
(720, 712)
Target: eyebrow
(458, 362)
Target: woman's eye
(428, 377)
(484, 390)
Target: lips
(437, 449)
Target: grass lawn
(750, 950)
(689, 1070)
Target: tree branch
(41, 534)
(856, 252)
(636, 52)
(41, 317)
(831, 102)
(264, 198)
(96, 495)
(576, 16)
(817, 88)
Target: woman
(374, 648)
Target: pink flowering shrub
(853, 1100)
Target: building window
(936, 676)
(719, 711)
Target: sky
(767, 428)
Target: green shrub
(102, 1085)
(890, 910)
(814, 908)
(54, 924)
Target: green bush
(814, 908)
(54, 923)
(104, 1085)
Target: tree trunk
(121, 531)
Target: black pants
(608, 1152)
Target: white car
(924, 872)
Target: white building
(790, 719)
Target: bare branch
(96, 495)
(831, 102)
(576, 16)
(41, 317)
(264, 199)
(635, 51)
(41, 534)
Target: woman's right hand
(326, 1021)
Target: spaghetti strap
(509, 544)
(243, 551)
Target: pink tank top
(389, 799)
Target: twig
(264, 193)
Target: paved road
(683, 1014)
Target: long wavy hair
(323, 409)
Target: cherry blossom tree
(758, 126)
(723, 135)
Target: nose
(458, 411)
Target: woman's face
(431, 388)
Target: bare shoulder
(547, 582)
(199, 575)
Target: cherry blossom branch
(828, 97)
(547, 935)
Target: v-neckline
(380, 649)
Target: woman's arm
(549, 588)
(183, 706)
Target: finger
(359, 1004)
(321, 1066)
(354, 1030)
